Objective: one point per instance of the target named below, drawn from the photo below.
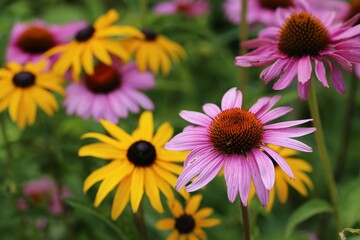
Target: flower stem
(139, 219)
(244, 34)
(246, 222)
(324, 157)
(345, 138)
(9, 154)
(143, 12)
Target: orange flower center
(35, 40)
(274, 4)
(185, 224)
(142, 153)
(104, 80)
(302, 34)
(236, 130)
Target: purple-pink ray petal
(275, 113)
(273, 70)
(280, 161)
(286, 124)
(303, 90)
(304, 69)
(228, 100)
(266, 167)
(287, 142)
(261, 191)
(211, 110)
(287, 77)
(289, 132)
(349, 33)
(321, 73)
(244, 179)
(272, 101)
(232, 172)
(336, 78)
(196, 118)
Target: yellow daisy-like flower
(95, 40)
(299, 168)
(153, 51)
(137, 163)
(188, 223)
(24, 87)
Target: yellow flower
(136, 163)
(24, 87)
(299, 168)
(188, 224)
(94, 40)
(153, 51)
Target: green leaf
(83, 206)
(349, 202)
(307, 210)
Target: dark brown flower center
(141, 153)
(354, 9)
(104, 80)
(85, 34)
(236, 130)
(35, 40)
(274, 4)
(24, 79)
(149, 35)
(183, 7)
(185, 224)
(302, 34)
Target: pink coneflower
(236, 138)
(263, 11)
(299, 40)
(110, 93)
(190, 8)
(29, 41)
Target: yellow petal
(50, 82)
(192, 237)
(100, 174)
(6, 88)
(4, 103)
(173, 236)
(163, 134)
(116, 48)
(152, 190)
(112, 180)
(165, 63)
(116, 132)
(107, 19)
(154, 59)
(137, 188)
(251, 192)
(193, 205)
(101, 150)
(44, 100)
(281, 188)
(142, 58)
(100, 52)
(14, 106)
(177, 209)
(165, 189)
(171, 156)
(203, 213)
(208, 222)
(171, 167)
(271, 200)
(103, 138)
(298, 186)
(299, 164)
(29, 108)
(14, 67)
(115, 31)
(300, 176)
(146, 125)
(121, 198)
(4, 73)
(200, 233)
(65, 60)
(56, 50)
(88, 60)
(166, 224)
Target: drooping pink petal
(244, 179)
(261, 191)
(303, 90)
(321, 73)
(279, 160)
(304, 69)
(337, 78)
(232, 170)
(274, 70)
(266, 167)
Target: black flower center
(104, 80)
(274, 4)
(85, 34)
(236, 130)
(185, 224)
(141, 153)
(149, 35)
(35, 40)
(302, 34)
(24, 79)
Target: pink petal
(232, 175)
(244, 180)
(350, 33)
(261, 191)
(196, 118)
(273, 71)
(166, 8)
(287, 142)
(228, 100)
(272, 101)
(287, 77)
(211, 110)
(303, 90)
(275, 113)
(289, 132)
(286, 124)
(304, 69)
(321, 73)
(266, 167)
(337, 78)
(280, 161)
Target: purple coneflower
(110, 93)
(236, 138)
(299, 40)
(191, 8)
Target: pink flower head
(110, 93)
(22, 204)
(263, 11)
(29, 41)
(299, 40)
(190, 8)
(236, 138)
(40, 191)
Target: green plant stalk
(143, 12)
(246, 221)
(345, 138)
(9, 154)
(323, 153)
(244, 34)
(139, 219)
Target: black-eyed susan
(188, 223)
(97, 40)
(138, 163)
(24, 87)
(282, 180)
(154, 51)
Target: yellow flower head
(188, 224)
(95, 40)
(23, 87)
(137, 163)
(299, 167)
(153, 51)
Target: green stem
(139, 219)
(345, 138)
(244, 34)
(143, 12)
(246, 222)
(9, 154)
(323, 153)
